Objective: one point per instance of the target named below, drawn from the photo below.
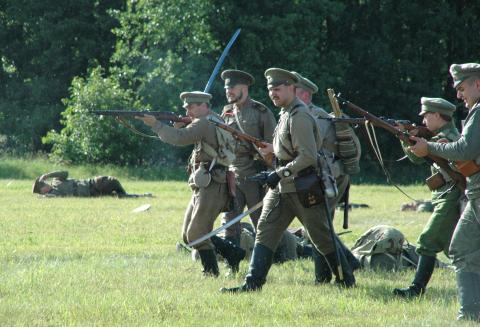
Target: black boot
(468, 284)
(351, 259)
(209, 262)
(235, 239)
(323, 274)
(260, 264)
(424, 271)
(348, 279)
(232, 253)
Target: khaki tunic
(296, 143)
(258, 121)
(62, 186)
(206, 202)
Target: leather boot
(232, 253)
(323, 274)
(209, 262)
(351, 259)
(235, 239)
(348, 277)
(468, 284)
(425, 267)
(260, 264)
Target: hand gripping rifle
(245, 137)
(458, 178)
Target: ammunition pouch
(468, 168)
(435, 181)
(308, 187)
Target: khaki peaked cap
(278, 76)
(233, 77)
(305, 83)
(439, 105)
(195, 97)
(461, 72)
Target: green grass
(92, 262)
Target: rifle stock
(159, 115)
(269, 158)
(458, 178)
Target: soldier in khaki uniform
(61, 185)
(295, 144)
(304, 90)
(437, 116)
(465, 245)
(208, 172)
(253, 118)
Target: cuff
(158, 126)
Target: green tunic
(465, 245)
(206, 202)
(258, 121)
(62, 186)
(437, 233)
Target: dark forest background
(62, 59)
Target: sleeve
(467, 147)
(412, 157)
(303, 142)
(181, 136)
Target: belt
(207, 164)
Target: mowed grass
(92, 262)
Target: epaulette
(259, 106)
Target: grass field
(92, 262)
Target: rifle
(458, 178)
(261, 177)
(422, 131)
(159, 115)
(245, 137)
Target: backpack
(341, 139)
(225, 154)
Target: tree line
(61, 60)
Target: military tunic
(101, 185)
(465, 245)
(258, 121)
(438, 231)
(296, 143)
(206, 202)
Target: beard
(235, 99)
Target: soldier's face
(469, 92)
(433, 121)
(235, 94)
(195, 110)
(281, 95)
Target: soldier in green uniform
(465, 245)
(253, 118)
(295, 144)
(61, 185)
(208, 172)
(437, 116)
(304, 90)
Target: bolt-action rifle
(159, 115)
(457, 177)
(245, 137)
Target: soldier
(304, 90)
(61, 185)
(465, 245)
(253, 118)
(437, 116)
(295, 144)
(208, 173)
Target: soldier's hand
(273, 179)
(147, 119)
(443, 140)
(267, 149)
(420, 148)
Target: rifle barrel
(160, 115)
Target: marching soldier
(253, 118)
(295, 144)
(465, 245)
(208, 172)
(437, 116)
